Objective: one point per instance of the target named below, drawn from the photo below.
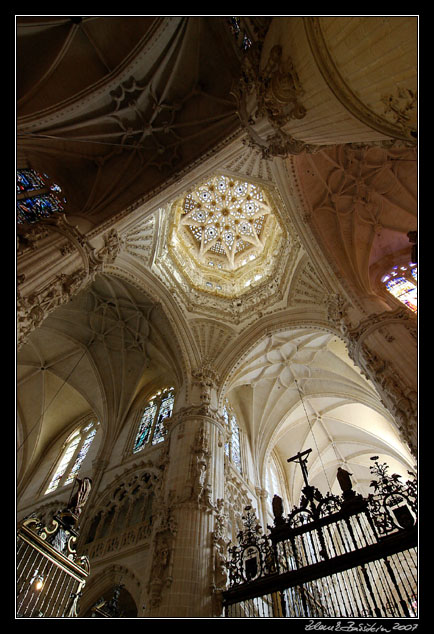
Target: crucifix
(301, 459)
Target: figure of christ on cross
(301, 459)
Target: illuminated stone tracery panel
(226, 219)
(225, 235)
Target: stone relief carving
(199, 477)
(340, 87)
(278, 90)
(275, 92)
(219, 546)
(108, 253)
(33, 309)
(35, 306)
(206, 379)
(399, 399)
(162, 555)
(401, 108)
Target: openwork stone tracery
(225, 236)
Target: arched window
(151, 428)
(37, 196)
(401, 282)
(233, 445)
(73, 454)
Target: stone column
(373, 348)
(187, 546)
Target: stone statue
(344, 480)
(81, 496)
(277, 509)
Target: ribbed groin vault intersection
(217, 253)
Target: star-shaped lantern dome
(227, 228)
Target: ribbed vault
(299, 390)
(95, 354)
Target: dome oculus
(225, 217)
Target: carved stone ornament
(278, 89)
(162, 560)
(199, 478)
(33, 308)
(272, 95)
(399, 399)
(112, 245)
(401, 107)
(207, 380)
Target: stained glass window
(73, 456)
(401, 282)
(151, 427)
(233, 445)
(80, 456)
(37, 197)
(145, 427)
(241, 36)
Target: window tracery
(401, 282)
(225, 237)
(226, 219)
(151, 428)
(233, 444)
(37, 196)
(73, 455)
(126, 511)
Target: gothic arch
(103, 582)
(126, 502)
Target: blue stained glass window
(28, 180)
(36, 198)
(151, 427)
(145, 427)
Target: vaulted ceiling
(298, 390)
(117, 110)
(152, 96)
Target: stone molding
(268, 98)
(341, 90)
(60, 287)
(397, 397)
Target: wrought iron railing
(333, 556)
(50, 577)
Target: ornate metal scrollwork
(253, 557)
(393, 505)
